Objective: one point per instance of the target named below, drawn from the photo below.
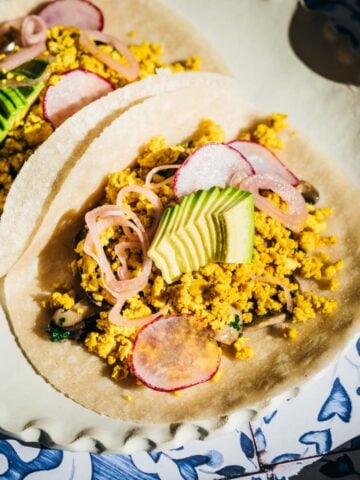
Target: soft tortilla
(277, 365)
(27, 200)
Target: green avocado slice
(15, 102)
(185, 255)
(207, 226)
(7, 108)
(190, 236)
(162, 254)
(237, 224)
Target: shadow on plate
(318, 45)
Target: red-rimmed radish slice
(295, 217)
(213, 164)
(74, 90)
(173, 353)
(263, 161)
(75, 13)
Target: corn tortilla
(277, 364)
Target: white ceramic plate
(272, 77)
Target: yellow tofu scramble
(218, 294)
(65, 54)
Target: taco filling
(193, 246)
(54, 63)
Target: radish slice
(76, 89)
(173, 353)
(213, 164)
(295, 217)
(263, 161)
(75, 13)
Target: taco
(232, 300)
(50, 71)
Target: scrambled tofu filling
(217, 293)
(65, 54)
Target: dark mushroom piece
(68, 318)
(78, 332)
(75, 323)
(227, 335)
(309, 192)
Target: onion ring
(130, 71)
(295, 218)
(33, 30)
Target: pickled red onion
(16, 59)
(151, 196)
(154, 170)
(116, 287)
(295, 218)
(275, 281)
(130, 71)
(33, 30)
(264, 161)
(123, 287)
(116, 318)
(123, 272)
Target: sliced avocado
(171, 245)
(162, 255)
(16, 101)
(185, 255)
(13, 96)
(193, 234)
(3, 125)
(20, 96)
(205, 242)
(227, 197)
(7, 107)
(181, 237)
(208, 226)
(32, 69)
(162, 224)
(235, 196)
(237, 224)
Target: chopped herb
(57, 334)
(236, 323)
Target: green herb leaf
(57, 334)
(236, 323)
